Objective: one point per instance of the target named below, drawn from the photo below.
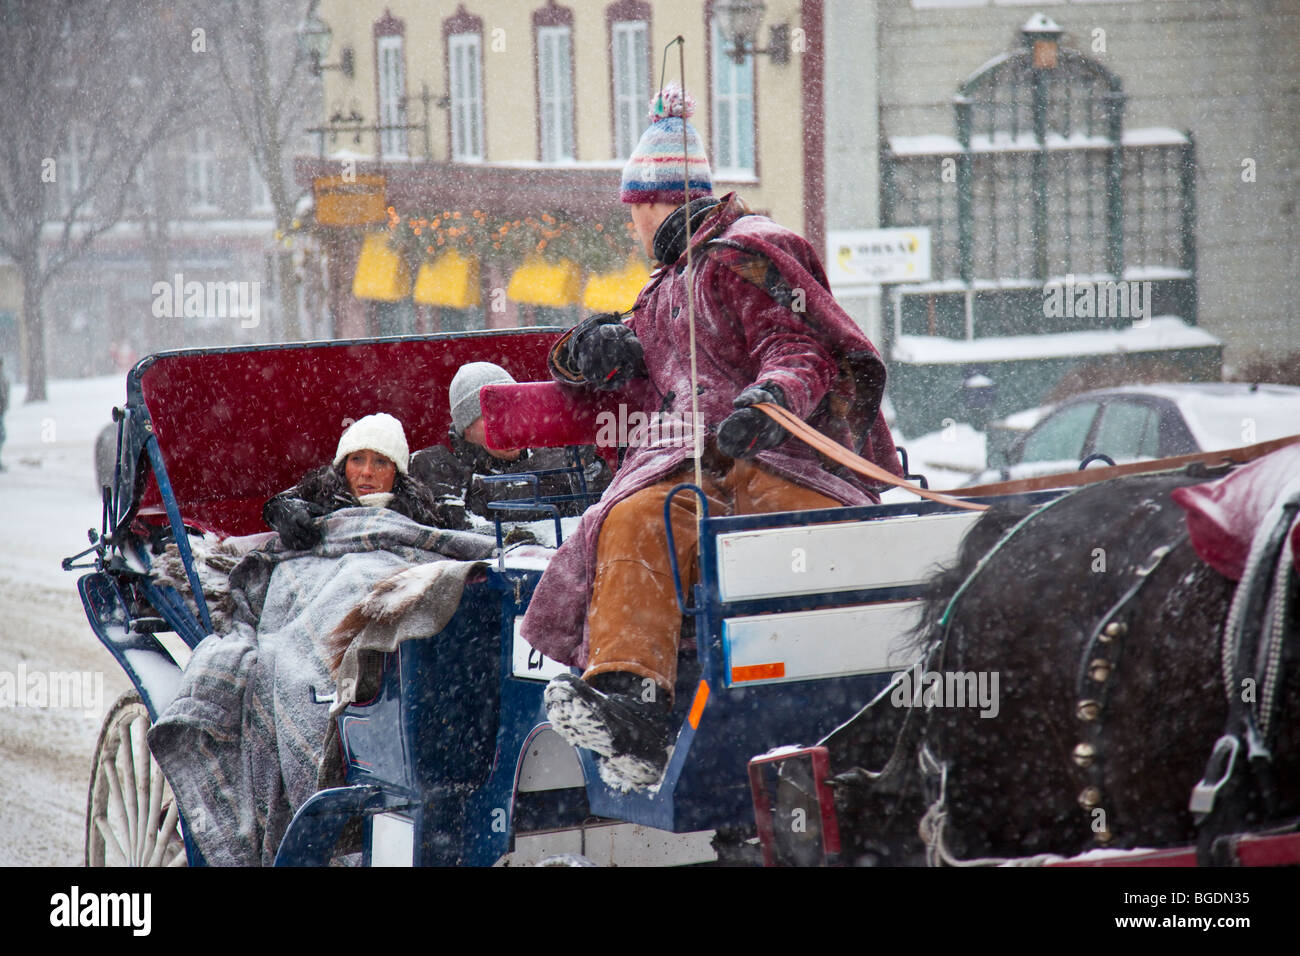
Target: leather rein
(1073, 479)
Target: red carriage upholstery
(235, 426)
(545, 415)
(1222, 515)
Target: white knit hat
(379, 432)
(463, 393)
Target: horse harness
(1097, 667)
(1259, 620)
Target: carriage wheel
(131, 815)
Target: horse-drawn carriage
(446, 754)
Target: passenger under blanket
(242, 740)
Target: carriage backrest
(547, 415)
(237, 425)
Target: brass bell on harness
(1090, 797)
(1088, 710)
(1084, 754)
(1103, 836)
(1113, 630)
(1099, 669)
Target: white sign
(531, 663)
(875, 256)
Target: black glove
(746, 432)
(293, 519)
(451, 515)
(607, 353)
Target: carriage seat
(545, 415)
(1222, 515)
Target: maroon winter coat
(752, 278)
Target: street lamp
(314, 37)
(1043, 35)
(739, 21)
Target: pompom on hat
(381, 433)
(653, 172)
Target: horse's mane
(981, 538)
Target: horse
(1103, 628)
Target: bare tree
(87, 89)
(268, 89)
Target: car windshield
(1060, 437)
(1128, 430)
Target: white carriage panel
(811, 559)
(392, 840)
(808, 645)
(614, 844)
(530, 663)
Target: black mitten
(293, 519)
(607, 354)
(746, 432)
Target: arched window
(1042, 182)
(390, 88)
(463, 34)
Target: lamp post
(314, 38)
(739, 21)
(1043, 36)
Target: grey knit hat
(463, 393)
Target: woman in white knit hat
(370, 468)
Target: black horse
(1103, 628)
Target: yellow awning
(616, 291)
(451, 281)
(538, 282)
(382, 274)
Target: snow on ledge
(940, 144)
(1163, 333)
(1154, 136)
(933, 144)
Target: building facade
(495, 115)
(1167, 154)
(1115, 180)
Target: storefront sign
(875, 256)
(350, 200)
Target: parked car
(1136, 422)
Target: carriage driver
(766, 330)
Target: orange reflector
(757, 672)
(697, 705)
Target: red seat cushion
(544, 415)
(1222, 515)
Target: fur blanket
(242, 741)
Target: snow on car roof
(1226, 414)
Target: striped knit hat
(654, 170)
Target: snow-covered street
(48, 500)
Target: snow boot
(610, 716)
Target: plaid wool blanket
(241, 743)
